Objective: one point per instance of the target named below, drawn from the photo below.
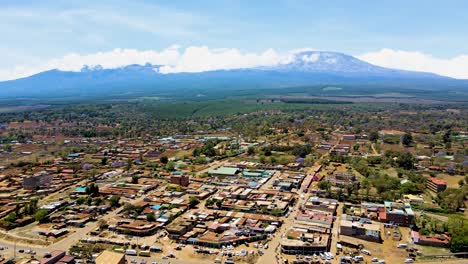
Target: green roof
(254, 174)
(224, 171)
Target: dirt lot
(386, 250)
(452, 180)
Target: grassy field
(452, 180)
(19, 108)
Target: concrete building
(342, 179)
(182, 180)
(436, 185)
(360, 229)
(297, 242)
(397, 213)
(40, 180)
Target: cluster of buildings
(341, 149)
(251, 178)
(343, 179)
(217, 228)
(311, 230)
(255, 201)
(365, 221)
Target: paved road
(273, 253)
(335, 230)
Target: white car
(374, 260)
(409, 260)
(365, 251)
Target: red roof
(67, 259)
(442, 240)
(383, 215)
(414, 234)
(437, 181)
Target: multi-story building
(361, 229)
(182, 180)
(342, 179)
(40, 180)
(298, 242)
(397, 213)
(436, 185)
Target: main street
(273, 253)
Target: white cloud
(198, 59)
(108, 60)
(201, 58)
(456, 67)
(191, 59)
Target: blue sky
(38, 34)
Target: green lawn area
(432, 250)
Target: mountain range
(307, 69)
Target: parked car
(365, 251)
(358, 258)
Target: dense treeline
(247, 118)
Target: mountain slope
(305, 69)
(334, 62)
